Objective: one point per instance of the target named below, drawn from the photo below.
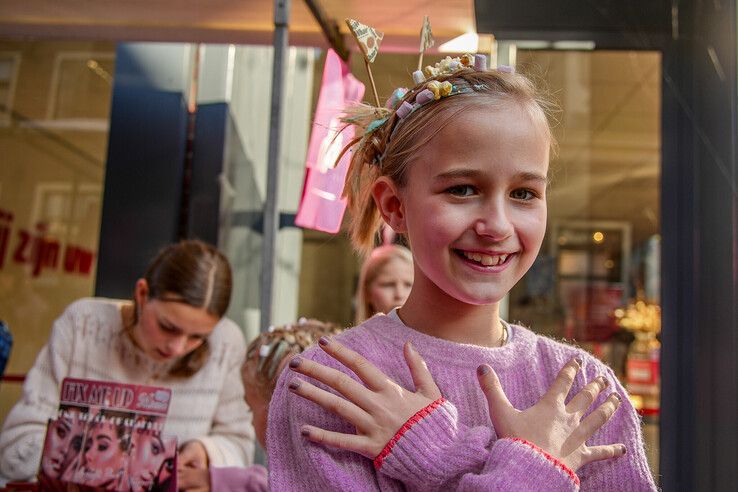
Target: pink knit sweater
(451, 445)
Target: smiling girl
(173, 334)
(443, 394)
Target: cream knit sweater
(87, 341)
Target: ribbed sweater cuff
(430, 448)
(420, 415)
(525, 466)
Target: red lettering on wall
(78, 260)
(42, 252)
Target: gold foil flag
(426, 35)
(367, 38)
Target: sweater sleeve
(237, 479)
(22, 437)
(231, 438)
(435, 452)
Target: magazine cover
(108, 436)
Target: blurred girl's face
(391, 286)
(167, 330)
(103, 459)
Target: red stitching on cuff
(420, 415)
(550, 458)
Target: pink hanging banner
(321, 206)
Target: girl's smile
(486, 261)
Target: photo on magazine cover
(152, 465)
(103, 459)
(64, 436)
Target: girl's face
(167, 330)
(474, 204)
(103, 457)
(147, 456)
(64, 443)
(391, 286)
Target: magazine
(109, 436)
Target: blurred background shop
(125, 126)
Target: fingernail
(411, 348)
(305, 432)
(617, 397)
(294, 384)
(604, 382)
(482, 370)
(295, 362)
(578, 360)
(623, 448)
(323, 341)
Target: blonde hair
(388, 150)
(374, 263)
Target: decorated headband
(368, 40)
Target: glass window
(596, 281)
(51, 182)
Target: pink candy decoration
(506, 69)
(424, 97)
(480, 62)
(404, 109)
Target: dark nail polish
(295, 362)
(482, 370)
(323, 341)
(605, 382)
(579, 361)
(617, 397)
(305, 432)
(625, 450)
(294, 384)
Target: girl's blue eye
(522, 194)
(461, 190)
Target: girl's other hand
(377, 410)
(551, 424)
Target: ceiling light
(574, 45)
(532, 44)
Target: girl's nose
(178, 345)
(494, 223)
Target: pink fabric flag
(321, 206)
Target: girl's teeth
(486, 260)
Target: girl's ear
(387, 198)
(141, 292)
